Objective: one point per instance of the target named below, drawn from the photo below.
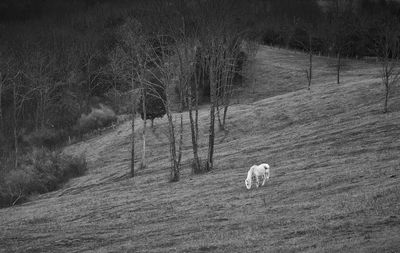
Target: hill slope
(335, 182)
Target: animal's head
(248, 184)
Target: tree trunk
(1, 109)
(143, 165)
(220, 95)
(196, 110)
(309, 74)
(338, 67)
(385, 107)
(174, 165)
(15, 125)
(181, 107)
(133, 145)
(211, 138)
(221, 126)
(225, 113)
(228, 95)
(196, 161)
(193, 121)
(42, 105)
(311, 62)
(180, 141)
(133, 130)
(213, 101)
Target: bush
(272, 37)
(40, 171)
(49, 138)
(155, 107)
(97, 118)
(65, 111)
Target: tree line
(61, 59)
(336, 28)
(54, 69)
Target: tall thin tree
(387, 47)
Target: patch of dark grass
(38, 172)
(38, 220)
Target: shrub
(65, 111)
(72, 167)
(39, 171)
(97, 118)
(155, 107)
(272, 37)
(49, 138)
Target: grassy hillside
(335, 182)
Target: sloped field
(335, 182)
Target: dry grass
(335, 162)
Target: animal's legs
(265, 179)
(258, 181)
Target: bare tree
(193, 107)
(216, 22)
(140, 74)
(88, 53)
(230, 68)
(141, 55)
(15, 81)
(213, 64)
(4, 77)
(341, 26)
(187, 72)
(38, 70)
(15, 124)
(387, 47)
(143, 164)
(307, 46)
(163, 72)
(150, 70)
(122, 66)
(124, 62)
(309, 72)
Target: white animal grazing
(257, 171)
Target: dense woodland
(70, 67)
